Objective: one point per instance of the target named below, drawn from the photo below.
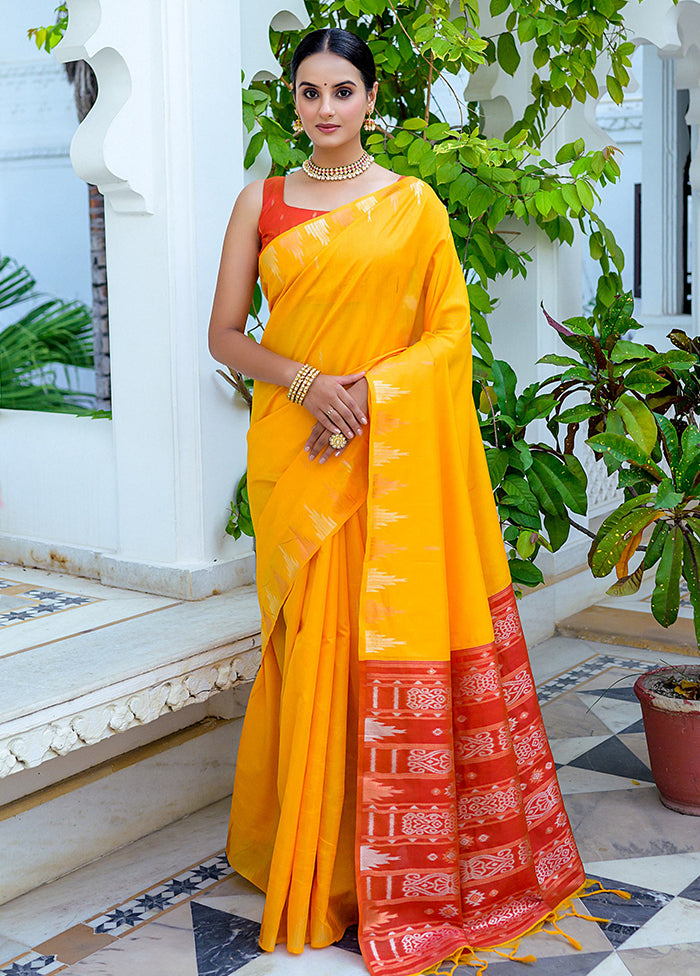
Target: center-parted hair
(341, 42)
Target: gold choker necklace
(337, 172)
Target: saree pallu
(393, 768)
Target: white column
(164, 143)
(661, 203)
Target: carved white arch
(113, 146)
(259, 63)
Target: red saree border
(462, 837)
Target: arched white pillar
(164, 144)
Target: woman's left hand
(317, 445)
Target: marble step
(62, 695)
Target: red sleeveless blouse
(275, 216)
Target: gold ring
(337, 441)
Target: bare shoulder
(381, 176)
(249, 201)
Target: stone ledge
(80, 690)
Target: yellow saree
(393, 768)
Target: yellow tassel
(600, 890)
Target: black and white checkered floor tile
(204, 922)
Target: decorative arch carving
(259, 63)
(113, 146)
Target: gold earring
(297, 125)
(369, 124)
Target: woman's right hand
(330, 403)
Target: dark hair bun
(341, 42)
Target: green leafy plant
(641, 408)
(48, 37)
(50, 333)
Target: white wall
(43, 204)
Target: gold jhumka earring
(369, 124)
(297, 125)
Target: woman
(393, 767)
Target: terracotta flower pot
(672, 728)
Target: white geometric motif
(514, 909)
(375, 730)
(419, 822)
(430, 884)
(553, 861)
(429, 761)
(481, 866)
(477, 683)
(474, 746)
(529, 747)
(517, 687)
(427, 698)
(493, 804)
(474, 897)
(506, 628)
(415, 941)
(542, 803)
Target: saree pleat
(393, 767)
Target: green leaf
(571, 488)
(691, 574)
(638, 420)
(497, 462)
(525, 454)
(479, 200)
(557, 529)
(666, 496)
(645, 380)
(666, 596)
(507, 53)
(622, 449)
(504, 382)
(614, 89)
(670, 439)
(257, 141)
(414, 125)
(545, 487)
(524, 572)
(656, 544)
(574, 415)
(585, 194)
(554, 360)
(613, 536)
(624, 350)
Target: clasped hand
(339, 404)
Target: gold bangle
(301, 383)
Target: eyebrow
(340, 84)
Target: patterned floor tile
(612, 965)
(612, 756)
(679, 960)
(679, 921)
(674, 874)
(574, 964)
(626, 917)
(224, 943)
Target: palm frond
(16, 283)
(51, 333)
